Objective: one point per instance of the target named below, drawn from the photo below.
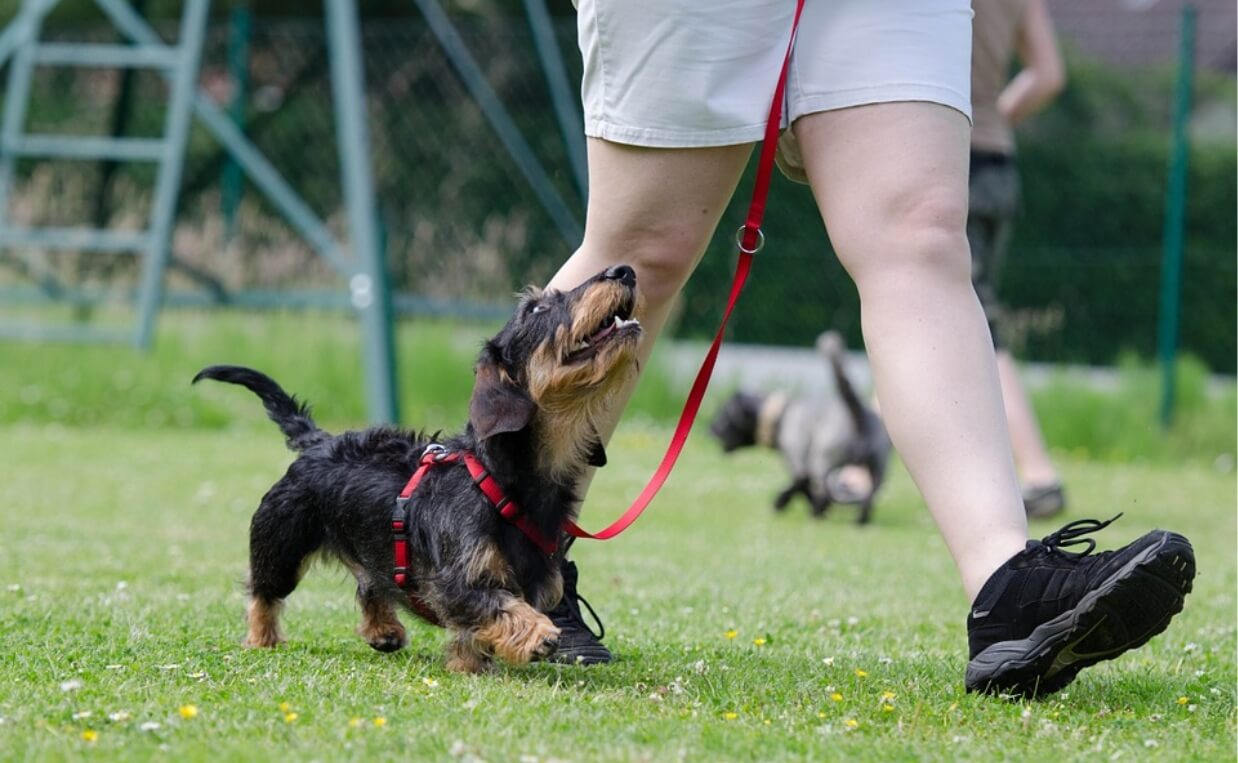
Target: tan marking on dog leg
(486, 566)
(263, 618)
(519, 634)
(380, 626)
(463, 655)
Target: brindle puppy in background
(818, 439)
(540, 385)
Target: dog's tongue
(599, 336)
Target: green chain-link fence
(463, 229)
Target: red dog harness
(508, 509)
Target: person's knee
(920, 234)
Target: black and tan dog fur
(540, 384)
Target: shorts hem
(803, 105)
(654, 137)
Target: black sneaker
(1044, 501)
(1046, 613)
(578, 644)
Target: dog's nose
(621, 273)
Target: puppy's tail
(831, 345)
(292, 417)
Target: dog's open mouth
(619, 324)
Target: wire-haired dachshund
(539, 386)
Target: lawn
(740, 635)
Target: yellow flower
(730, 716)
(820, 713)
(354, 723)
(851, 723)
(953, 706)
(188, 711)
(285, 707)
(731, 633)
(430, 682)
(90, 736)
(837, 696)
(1183, 700)
(759, 641)
(886, 696)
(767, 721)
(380, 722)
(888, 708)
(861, 673)
(290, 717)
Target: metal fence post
(369, 287)
(1175, 219)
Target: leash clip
(739, 240)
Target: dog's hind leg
(866, 512)
(282, 536)
(380, 626)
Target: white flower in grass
(199, 675)
(429, 682)
(884, 660)
(13, 588)
(1150, 743)
(149, 726)
(827, 661)
(120, 716)
(73, 684)
(122, 585)
(1191, 647)
(853, 621)
(114, 666)
(82, 714)
(170, 666)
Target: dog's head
(558, 362)
(735, 425)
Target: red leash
(750, 240)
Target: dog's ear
(497, 405)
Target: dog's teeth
(618, 323)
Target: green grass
(122, 550)
(317, 356)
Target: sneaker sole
(1122, 613)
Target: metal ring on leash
(739, 240)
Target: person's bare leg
(656, 210)
(891, 184)
(1031, 456)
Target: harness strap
(489, 487)
(750, 239)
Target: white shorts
(692, 73)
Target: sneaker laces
(1072, 535)
(572, 598)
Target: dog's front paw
(546, 649)
(391, 641)
(520, 634)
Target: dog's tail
(831, 345)
(292, 417)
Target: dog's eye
(539, 309)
